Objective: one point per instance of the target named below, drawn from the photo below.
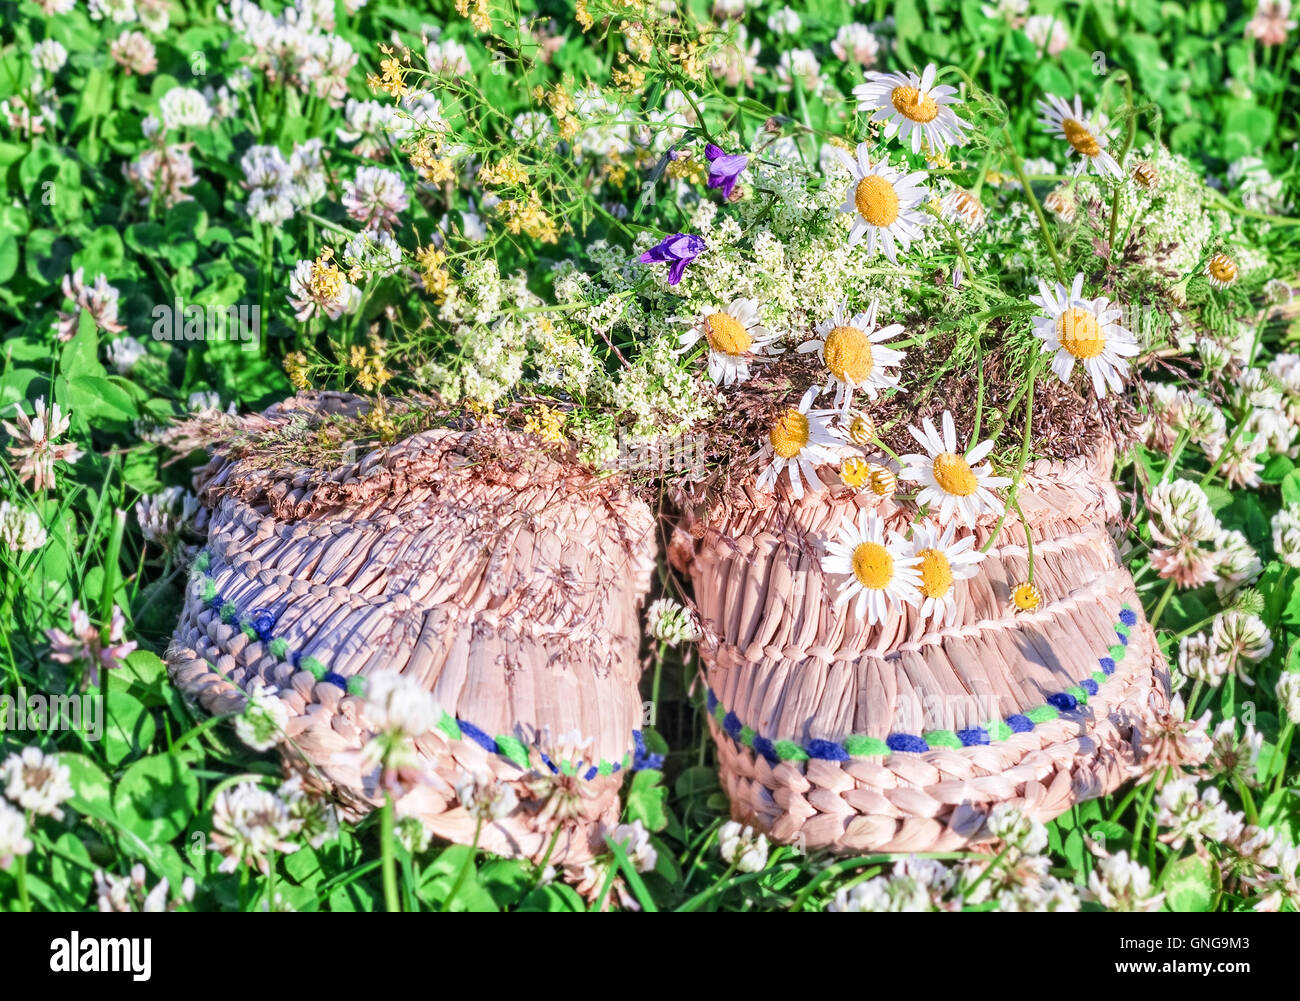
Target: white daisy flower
(1083, 330)
(912, 105)
(851, 347)
(879, 570)
(943, 563)
(884, 203)
(1221, 270)
(801, 440)
(734, 337)
(950, 479)
(1082, 133)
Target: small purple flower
(680, 248)
(724, 168)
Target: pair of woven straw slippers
(507, 583)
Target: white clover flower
(1199, 660)
(1189, 816)
(13, 835)
(483, 797)
(124, 353)
(1047, 34)
(117, 11)
(1232, 758)
(164, 516)
(801, 65)
(670, 623)
(21, 529)
(1239, 636)
(741, 847)
(1286, 535)
(375, 252)
(914, 885)
(315, 819)
(124, 894)
(854, 43)
(635, 840)
(1022, 832)
(398, 704)
(49, 55)
(261, 724)
(784, 22)
(1238, 563)
(1179, 510)
(448, 59)
(376, 197)
(1119, 884)
(249, 823)
(36, 782)
(183, 107)
(1288, 695)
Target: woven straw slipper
(505, 580)
(902, 736)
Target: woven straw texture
(506, 581)
(784, 665)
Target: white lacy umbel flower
(398, 703)
(879, 569)
(1119, 884)
(944, 561)
(950, 480)
(49, 55)
(248, 824)
(182, 107)
(741, 847)
(735, 336)
(261, 724)
(670, 623)
(1286, 535)
(852, 349)
(854, 43)
(1083, 330)
(13, 835)
(884, 203)
(1082, 134)
(21, 529)
(800, 439)
(36, 782)
(1199, 660)
(913, 106)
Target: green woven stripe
(747, 736)
(513, 749)
(449, 726)
(1122, 629)
(942, 738)
(859, 746)
(998, 730)
(1099, 677)
(1041, 714)
(228, 611)
(209, 589)
(279, 647)
(788, 750)
(719, 713)
(314, 666)
(1117, 652)
(203, 561)
(249, 631)
(605, 768)
(1079, 692)
(356, 685)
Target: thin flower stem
(1223, 454)
(1128, 145)
(1191, 699)
(1284, 752)
(387, 838)
(466, 865)
(1018, 166)
(1160, 605)
(1177, 451)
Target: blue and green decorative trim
(259, 624)
(861, 746)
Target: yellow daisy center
(877, 200)
(726, 334)
(1223, 268)
(861, 430)
(872, 565)
(883, 482)
(1146, 175)
(1026, 597)
(954, 475)
(1079, 333)
(911, 103)
(789, 434)
(855, 471)
(848, 355)
(936, 573)
(1078, 136)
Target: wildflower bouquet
(950, 343)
